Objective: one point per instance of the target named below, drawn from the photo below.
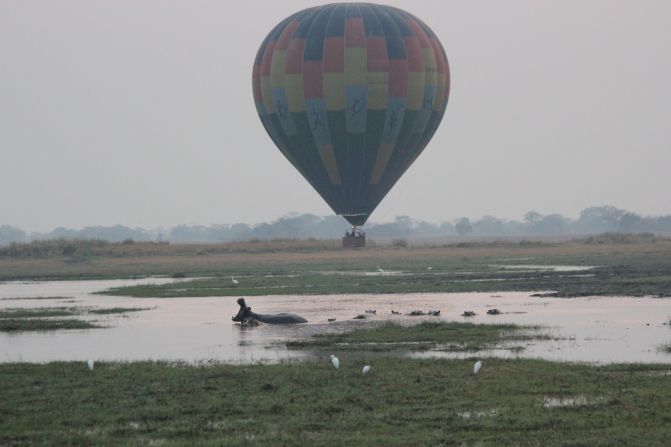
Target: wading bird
(335, 361)
(477, 367)
(365, 370)
(90, 364)
(234, 281)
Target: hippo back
(283, 318)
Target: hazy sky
(140, 112)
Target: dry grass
(119, 260)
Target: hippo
(246, 317)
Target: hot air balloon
(351, 94)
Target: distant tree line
(592, 220)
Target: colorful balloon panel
(351, 94)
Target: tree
(463, 226)
(532, 218)
(489, 226)
(10, 235)
(446, 228)
(599, 219)
(552, 224)
(629, 223)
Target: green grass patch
(45, 312)
(40, 312)
(617, 271)
(625, 266)
(117, 310)
(36, 324)
(452, 336)
(401, 402)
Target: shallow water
(597, 329)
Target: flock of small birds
(414, 313)
(418, 313)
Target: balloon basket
(356, 240)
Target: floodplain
(573, 337)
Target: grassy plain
(631, 266)
(401, 402)
(623, 265)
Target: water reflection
(614, 329)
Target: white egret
(365, 370)
(379, 269)
(335, 361)
(234, 281)
(90, 364)
(429, 268)
(477, 367)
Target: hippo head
(244, 313)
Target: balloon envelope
(351, 94)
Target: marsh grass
(40, 312)
(622, 267)
(452, 336)
(35, 298)
(638, 277)
(627, 268)
(117, 310)
(50, 318)
(401, 402)
(48, 312)
(37, 324)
